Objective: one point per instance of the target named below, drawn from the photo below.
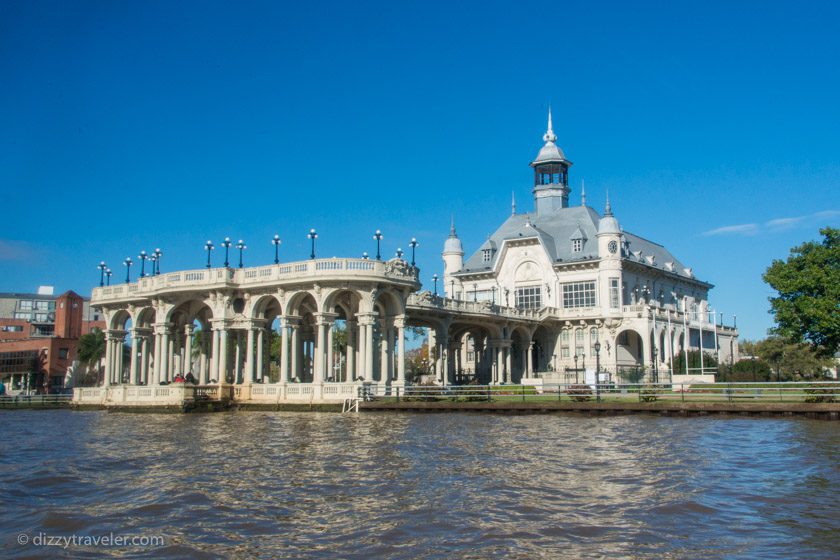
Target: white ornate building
(531, 302)
(591, 280)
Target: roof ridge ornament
(582, 193)
(512, 203)
(608, 208)
(452, 226)
(549, 135)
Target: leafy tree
(91, 352)
(709, 362)
(808, 283)
(749, 370)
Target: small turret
(551, 175)
(453, 258)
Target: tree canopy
(807, 307)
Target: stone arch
(265, 305)
(543, 349)
(475, 355)
(629, 349)
(389, 303)
(119, 320)
(520, 347)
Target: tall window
(579, 348)
(529, 298)
(26, 305)
(593, 338)
(578, 294)
(577, 245)
(486, 255)
(564, 343)
(615, 295)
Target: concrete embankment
(829, 411)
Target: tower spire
(549, 135)
(608, 208)
(452, 227)
(512, 203)
(582, 193)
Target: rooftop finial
(512, 203)
(582, 193)
(452, 227)
(608, 208)
(549, 135)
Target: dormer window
(577, 245)
(486, 255)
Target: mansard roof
(554, 232)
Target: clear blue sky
(134, 125)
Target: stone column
(144, 359)
(249, 357)
(134, 378)
(284, 350)
(329, 371)
(529, 359)
(109, 357)
(158, 355)
(508, 369)
(350, 351)
(223, 354)
(165, 348)
(361, 363)
(295, 351)
(400, 324)
(214, 358)
(188, 348)
(260, 359)
(385, 352)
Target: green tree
(709, 362)
(91, 352)
(807, 307)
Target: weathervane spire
(549, 135)
(582, 193)
(608, 208)
(512, 203)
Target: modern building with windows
(591, 281)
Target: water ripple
(292, 485)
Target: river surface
(406, 485)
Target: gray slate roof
(556, 230)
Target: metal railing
(34, 401)
(791, 392)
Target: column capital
(326, 318)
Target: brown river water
(408, 485)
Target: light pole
(378, 237)
(208, 247)
(452, 291)
(475, 292)
(365, 255)
(493, 289)
(241, 246)
(108, 274)
(276, 242)
(655, 366)
(153, 259)
(127, 263)
(143, 256)
(597, 371)
(576, 368)
(435, 278)
(158, 255)
(102, 268)
(399, 253)
(313, 235)
(226, 244)
(413, 246)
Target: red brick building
(39, 337)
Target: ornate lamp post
(597, 371)
(276, 242)
(399, 253)
(142, 256)
(241, 246)
(576, 368)
(158, 255)
(435, 279)
(102, 268)
(127, 263)
(452, 288)
(378, 237)
(108, 274)
(226, 244)
(208, 247)
(365, 255)
(153, 259)
(475, 292)
(413, 246)
(493, 289)
(313, 235)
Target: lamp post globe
(365, 255)
(399, 253)
(241, 246)
(108, 274)
(276, 242)
(378, 237)
(208, 247)
(413, 244)
(313, 235)
(127, 263)
(597, 371)
(158, 255)
(435, 279)
(102, 268)
(143, 256)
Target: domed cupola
(551, 175)
(608, 224)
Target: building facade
(593, 281)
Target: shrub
(579, 393)
(650, 393)
(821, 393)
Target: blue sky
(135, 125)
